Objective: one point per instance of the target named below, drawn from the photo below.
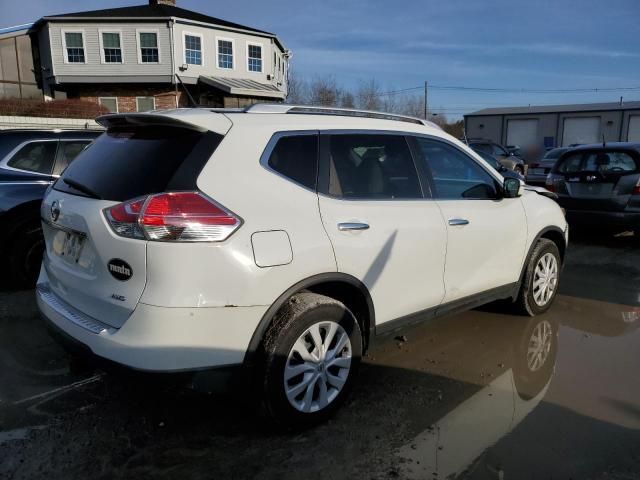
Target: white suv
(279, 242)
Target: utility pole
(426, 87)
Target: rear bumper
(158, 339)
(600, 218)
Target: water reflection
(502, 363)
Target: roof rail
(345, 112)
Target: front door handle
(458, 221)
(343, 227)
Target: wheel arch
(340, 286)
(13, 219)
(553, 233)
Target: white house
(144, 57)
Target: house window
(192, 50)
(225, 54)
(74, 44)
(149, 47)
(110, 103)
(111, 51)
(254, 58)
(144, 104)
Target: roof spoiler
(146, 120)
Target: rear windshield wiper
(81, 188)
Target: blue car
(30, 161)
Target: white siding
(129, 44)
(209, 65)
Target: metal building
(556, 125)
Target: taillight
(123, 218)
(172, 217)
(548, 184)
(636, 189)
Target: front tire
(541, 279)
(312, 354)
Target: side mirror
(511, 188)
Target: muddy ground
(456, 398)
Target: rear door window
(570, 164)
(296, 157)
(67, 151)
(372, 166)
(128, 162)
(35, 157)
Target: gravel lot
(448, 399)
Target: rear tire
(312, 354)
(541, 279)
(25, 254)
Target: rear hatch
(89, 266)
(596, 179)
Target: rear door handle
(343, 227)
(458, 221)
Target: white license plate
(537, 171)
(68, 245)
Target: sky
(512, 44)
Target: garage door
(634, 129)
(580, 130)
(523, 133)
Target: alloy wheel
(545, 279)
(317, 366)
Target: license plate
(537, 171)
(68, 246)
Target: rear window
(125, 163)
(599, 161)
(483, 147)
(609, 162)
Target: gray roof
(243, 86)
(148, 11)
(577, 107)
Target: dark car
(495, 163)
(599, 185)
(515, 150)
(538, 171)
(30, 160)
(506, 158)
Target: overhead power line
(510, 90)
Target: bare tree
(455, 129)
(347, 100)
(368, 95)
(297, 92)
(411, 105)
(323, 91)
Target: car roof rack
(313, 110)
